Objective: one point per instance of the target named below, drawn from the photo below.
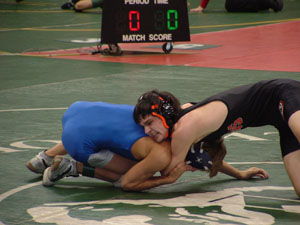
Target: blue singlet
(89, 127)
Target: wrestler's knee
(100, 159)
(294, 124)
(297, 190)
(292, 165)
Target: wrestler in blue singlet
(89, 127)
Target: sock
(88, 171)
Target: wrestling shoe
(67, 5)
(70, 5)
(277, 5)
(39, 163)
(61, 167)
(113, 50)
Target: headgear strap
(164, 111)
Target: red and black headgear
(161, 104)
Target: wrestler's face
(154, 127)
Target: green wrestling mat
(35, 91)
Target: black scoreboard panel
(125, 21)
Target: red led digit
(134, 20)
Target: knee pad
(100, 159)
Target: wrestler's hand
(190, 168)
(254, 172)
(177, 171)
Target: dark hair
(145, 102)
(217, 151)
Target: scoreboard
(134, 21)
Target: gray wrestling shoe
(61, 167)
(39, 163)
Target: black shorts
(289, 104)
(288, 142)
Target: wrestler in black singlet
(268, 102)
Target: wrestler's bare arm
(243, 174)
(193, 127)
(141, 176)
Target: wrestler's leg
(104, 165)
(99, 173)
(112, 172)
(111, 161)
(57, 149)
(45, 158)
(292, 160)
(292, 166)
(84, 4)
(120, 164)
(294, 124)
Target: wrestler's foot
(67, 5)
(61, 167)
(70, 5)
(39, 163)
